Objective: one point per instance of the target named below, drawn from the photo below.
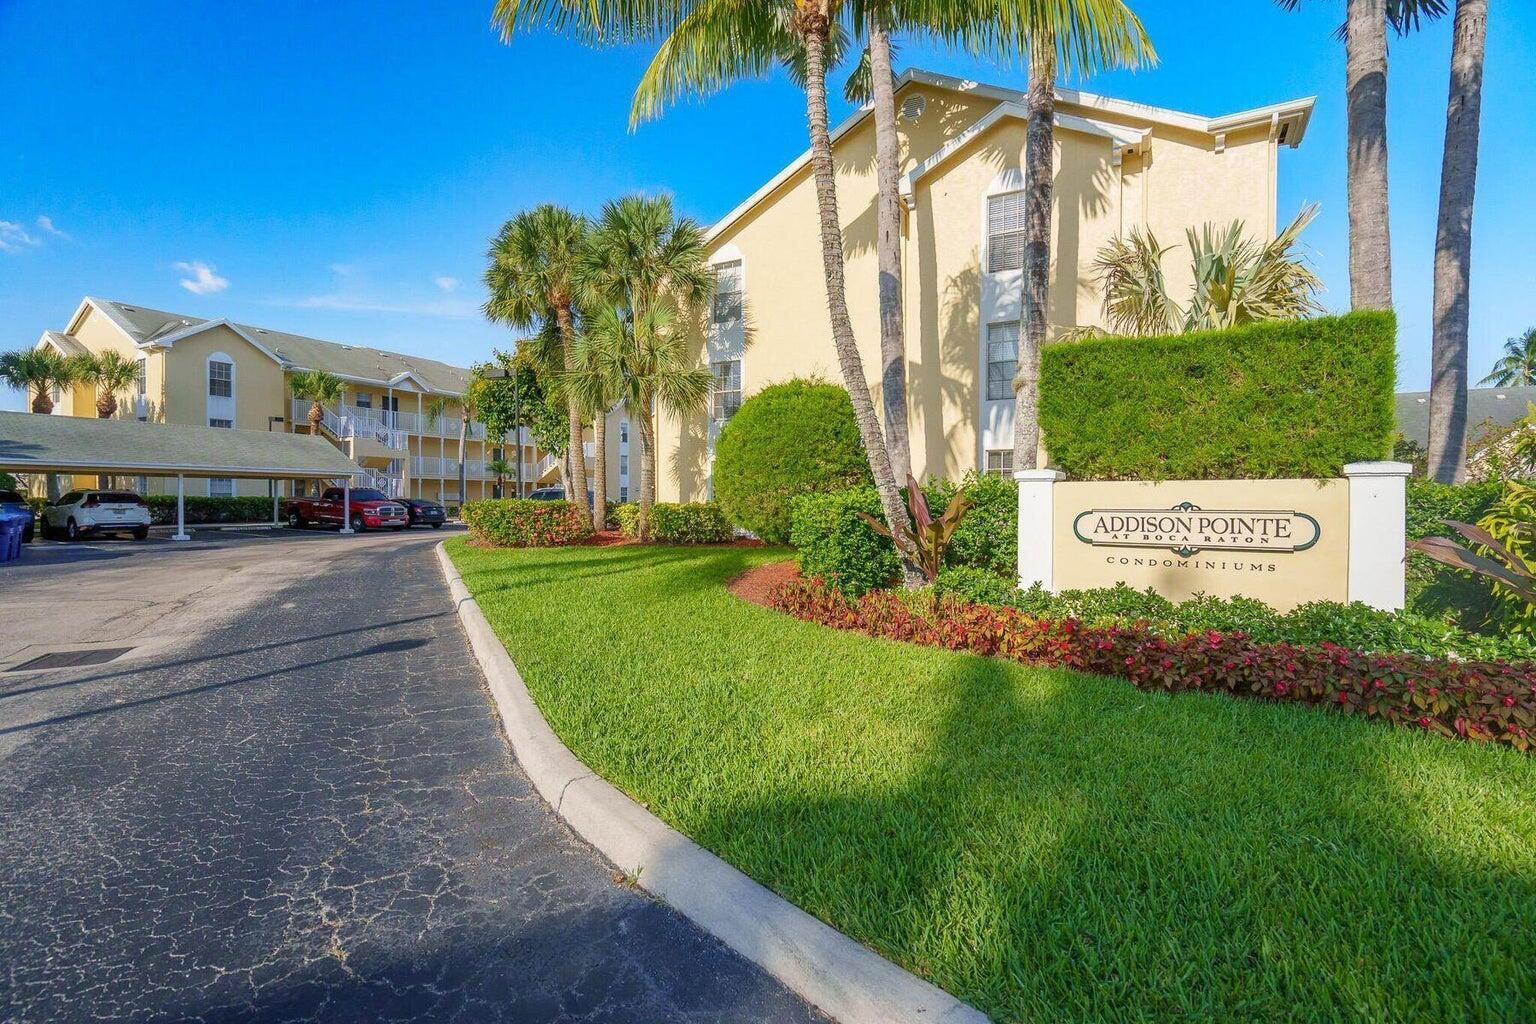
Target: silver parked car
(86, 513)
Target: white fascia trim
(207, 325)
(408, 375)
(46, 341)
(1299, 111)
(353, 378)
(105, 309)
(1119, 135)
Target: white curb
(846, 981)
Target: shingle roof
(67, 345)
(373, 364)
(32, 442)
(1502, 406)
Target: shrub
(789, 439)
(626, 518)
(203, 509)
(1293, 398)
(1476, 700)
(988, 536)
(524, 523)
(1434, 589)
(1356, 625)
(694, 523)
(834, 543)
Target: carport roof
(35, 443)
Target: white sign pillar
(346, 504)
(1378, 499)
(1037, 526)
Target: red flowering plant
(1479, 701)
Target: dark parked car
(424, 513)
(11, 501)
(555, 492)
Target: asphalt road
(292, 802)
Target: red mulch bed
(756, 584)
(607, 539)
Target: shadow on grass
(1075, 850)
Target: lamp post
(272, 482)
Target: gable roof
(1288, 121)
(149, 328)
(1501, 406)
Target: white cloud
(46, 223)
(14, 237)
(204, 279)
(445, 282)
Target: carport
(35, 443)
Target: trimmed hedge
(699, 522)
(1292, 398)
(1357, 626)
(789, 439)
(243, 509)
(525, 523)
(837, 545)
(1478, 701)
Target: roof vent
(912, 107)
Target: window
(141, 377)
(623, 463)
(221, 487)
(226, 424)
(623, 431)
(221, 379)
(623, 492)
(363, 401)
(1000, 461)
(1005, 232)
(300, 488)
(727, 388)
(1002, 359)
(726, 308)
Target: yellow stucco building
(1118, 165)
(222, 374)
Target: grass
(1047, 846)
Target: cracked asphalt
(298, 806)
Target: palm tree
(109, 372)
(532, 281)
(39, 369)
(501, 467)
(1517, 368)
(1086, 35)
(640, 360)
(639, 257)
(1453, 245)
(1364, 33)
(320, 389)
(1237, 280)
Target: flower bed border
(1477, 701)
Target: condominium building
(1119, 165)
(219, 373)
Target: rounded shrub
(787, 440)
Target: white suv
(82, 513)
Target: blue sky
(336, 169)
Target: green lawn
(1045, 845)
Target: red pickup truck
(369, 510)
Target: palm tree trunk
(600, 471)
(1365, 74)
(1039, 184)
(647, 472)
(893, 353)
(813, 22)
(316, 415)
(463, 469)
(1453, 245)
(574, 469)
(106, 405)
(42, 402)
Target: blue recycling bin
(12, 526)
